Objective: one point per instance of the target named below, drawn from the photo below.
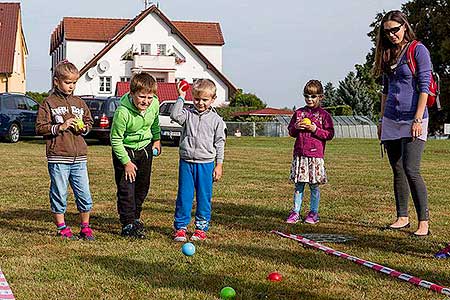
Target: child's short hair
(143, 82)
(64, 68)
(313, 87)
(204, 85)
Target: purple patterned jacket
(310, 144)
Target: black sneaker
(127, 230)
(139, 229)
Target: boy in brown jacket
(62, 119)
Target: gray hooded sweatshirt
(203, 136)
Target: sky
(272, 48)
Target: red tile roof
(166, 91)
(201, 33)
(103, 30)
(86, 29)
(268, 111)
(9, 16)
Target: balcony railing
(159, 62)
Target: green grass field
(253, 198)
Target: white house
(109, 51)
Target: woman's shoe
(421, 235)
(407, 225)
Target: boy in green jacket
(135, 133)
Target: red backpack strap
(410, 56)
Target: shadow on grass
(194, 277)
(17, 219)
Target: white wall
(81, 52)
(151, 30)
(213, 54)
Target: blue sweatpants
(192, 177)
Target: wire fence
(343, 128)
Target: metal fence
(344, 127)
(257, 129)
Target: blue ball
(188, 249)
(155, 152)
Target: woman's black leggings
(404, 156)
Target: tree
(355, 94)
(365, 76)
(39, 97)
(241, 99)
(330, 98)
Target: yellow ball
(306, 121)
(79, 125)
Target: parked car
(17, 116)
(170, 130)
(102, 111)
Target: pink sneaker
(293, 218)
(86, 234)
(312, 218)
(199, 235)
(66, 233)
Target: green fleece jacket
(133, 129)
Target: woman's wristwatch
(417, 120)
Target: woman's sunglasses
(308, 96)
(392, 30)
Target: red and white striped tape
(5, 290)
(391, 272)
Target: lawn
(253, 198)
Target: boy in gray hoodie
(202, 145)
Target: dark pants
(131, 195)
(404, 156)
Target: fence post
(254, 129)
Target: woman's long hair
(386, 52)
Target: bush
(227, 114)
(339, 110)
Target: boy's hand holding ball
(80, 126)
(68, 124)
(182, 87)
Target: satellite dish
(103, 65)
(91, 73)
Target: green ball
(227, 293)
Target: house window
(125, 79)
(145, 49)
(161, 49)
(105, 84)
(160, 80)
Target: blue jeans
(298, 197)
(60, 176)
(199, 178)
